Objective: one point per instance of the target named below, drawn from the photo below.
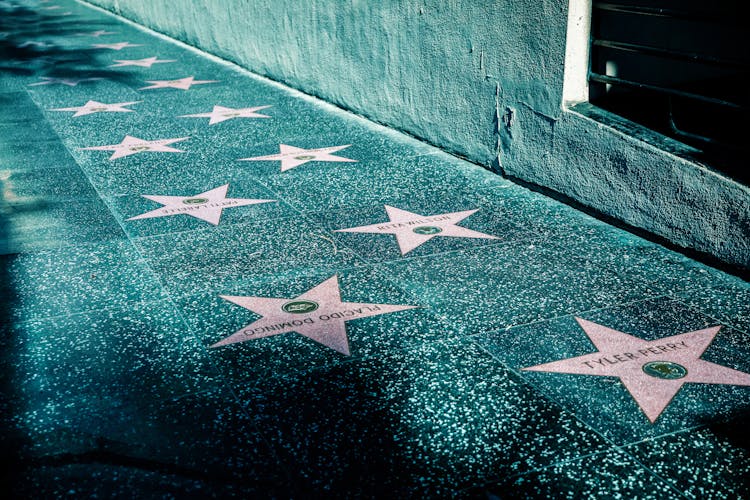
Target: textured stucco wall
(479, 79)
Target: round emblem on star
(666, 370)
(412, 229)
(676, 361)
(299, 306)
(207, 206)
(195, 201)
(427, 230)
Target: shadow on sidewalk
(36, 44)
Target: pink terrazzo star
(133, 145)
(318, 314)
(35, 43)
(99, 107)
(206, 206)
(291, 156)
(143, 63)
(412, 230)
(70, 82)
(115, 46)
(652, 371)
(97, 34)
(180, 83)
(220, 114)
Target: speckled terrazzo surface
(243, 345)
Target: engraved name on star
(115, 46)
(318, 314)
(143, 63)
(291, 156)
(70, 82)
(220, 114)
(652, 371)
(132, 145)
(206, 206)
(180, 83)
(99, 107)
(412, 229)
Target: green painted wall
(480, 79)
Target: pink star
(182, 83)
(291, 156)
(206, 206)
(132, 145)
(35, 43)
(144, 63)
(220, 114)
(99, 107)
(412, 230)
(652, 371)
(318, 314)
(115, 46)
(97, 34)
(70, 82)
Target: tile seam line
(706, 259)
(569, 461)
(294, 91)
(222, 382)
(106, 199)
(112, 213)
(575, 313)
(729, 323)
(650, 294)
(613, 445)
(130, 305)
(532, 238)
(170, 294)
(623, 448)
(210, 56)
(545, 394)
(310, 215)
(201, 53)
(224, 226)
(168, 297)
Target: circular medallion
(299, 306)
(427, 230)
(666, 370)
(194, 201)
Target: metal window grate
(680, 67)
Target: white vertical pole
(575, 80)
